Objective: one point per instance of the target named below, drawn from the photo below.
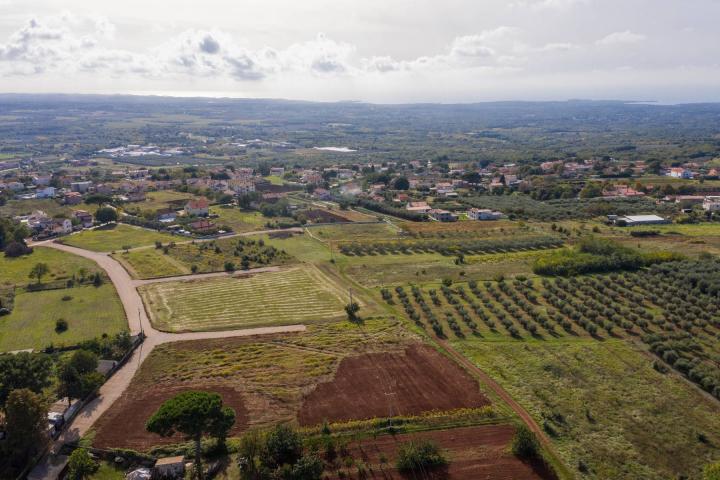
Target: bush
(424, 455)
(61, 325)
(17, 249)
(525, 444)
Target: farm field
(379, 270)
(475, 453)
(116, 237)
(355, 232)
(201, 257)
(90, 311)
(292, 295)
(51, 207)
(617, 417)
(62, 266)
(163, 199)
(240, 220)
(271, 378)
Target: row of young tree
(452, 247)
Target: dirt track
(389, 384)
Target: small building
(711, 203)
(60, 226)
(85, 218)
(634, 220)
(199, 207)
(241, 186)
(442, 215)
(47, 192)
(277, 171)
(170, 467)
(483, 214)
(81, 187)
(166, 215)
(72, 198)
(418, 207)
(202, 226)
(680, 173)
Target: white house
(633, 220)
(419, 207)
(680, 173)
(241, 187)
(442, 215)
(483, 214)
(711, 203)
(277, 171)
(47, 192)
(81, 187)
(198, 207)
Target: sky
(383, 51)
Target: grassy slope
(150, 263)
(110, 239)
(610, 409)
(62, 265)
(90, 313)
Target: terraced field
(294, 295)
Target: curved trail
(138, 322)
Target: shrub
(419, 456)
(17, 249)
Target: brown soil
(391, 384)
(323, 216)
(123, 426)
(474, 453)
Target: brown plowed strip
(475, 453)
(391, 384)
(123, 426)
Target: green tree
(420, 456)
(84, 361)
(352, 310)
(193, 414)
(401, 183)
(525, 444)
(81, 465)
(283, 446)
(106, 214)
(26, 424)
(39, 271)
(23, 370)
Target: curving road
(138, 321)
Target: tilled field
(475, 453)
(391, 384)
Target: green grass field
(50, 207)
(240, 220)
(14, 271)
(356, 233)
(605, 408)
(116, 237)
(206, 257)
(150, 263)
(294, 295)
(163, 199)
(90, 312)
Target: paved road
(138, 321)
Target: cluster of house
(42, 225)
(441, 215)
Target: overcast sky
(371, 50)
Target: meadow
(617, 417)
(50, 207)
(292, 295)
(61, 265)
(240, 220)
(201, 257)
(89, 311)
(116, 237)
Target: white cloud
(621, 38)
